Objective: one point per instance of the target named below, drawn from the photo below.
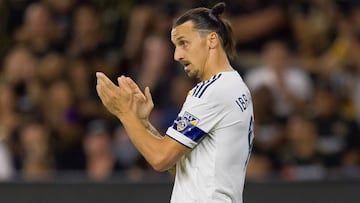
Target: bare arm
(247, 28)
(161, 152)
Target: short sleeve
(196, 119)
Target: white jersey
(216, 122)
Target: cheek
(200, 57)
(198, 53)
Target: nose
(178, 54)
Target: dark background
(111, 192)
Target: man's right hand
(143, 103)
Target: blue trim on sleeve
(186, 128)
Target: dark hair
(210, 20)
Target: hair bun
(218, 9)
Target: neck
(217, 62)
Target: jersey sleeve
(195, 120)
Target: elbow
(161, 164)
(159, 168)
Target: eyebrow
(178, 39)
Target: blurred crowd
(300, 59)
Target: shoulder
(218, 86)
(206, 86)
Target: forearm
(157, 135)
(151, 129)
(257, 24)
(148, 142)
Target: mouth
(186, 65)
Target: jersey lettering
(242, 102)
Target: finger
(102, 91)
(99, 84)
(133, 85)
(104, 87)
(135, 88)
(148, 95)
(98, 90)
(98, 74)
(139, 98)
(104, 80)
(123, 85)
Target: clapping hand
(143, 103)
(124, 98)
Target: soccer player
(210, 141)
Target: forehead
(185, 29)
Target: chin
(191, 74)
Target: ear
(213, 40)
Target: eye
(183, 43)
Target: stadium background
(300, 58)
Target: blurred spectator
(354, 86)
(79, 78)
(5, 36)
(18, 71)
(325, 32)
(87, 41)
(156, 69)
(62, 11)
(355, 16)
(336, 132)
(98, 147)
(82, 84)
(50, 68)
(259, 167)
(255, 22)
(35, 152)
(301, 160)
(9, 119)
(62, 117)
(87, 34)
(156, 61)
(312, 23)
(19, 66)
(8, 122)
(268, 128)
(38, 31)
(290, 86)
(143, 22)
(128, 157)
(140, 19)
(6, 167)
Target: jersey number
(250, 139)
